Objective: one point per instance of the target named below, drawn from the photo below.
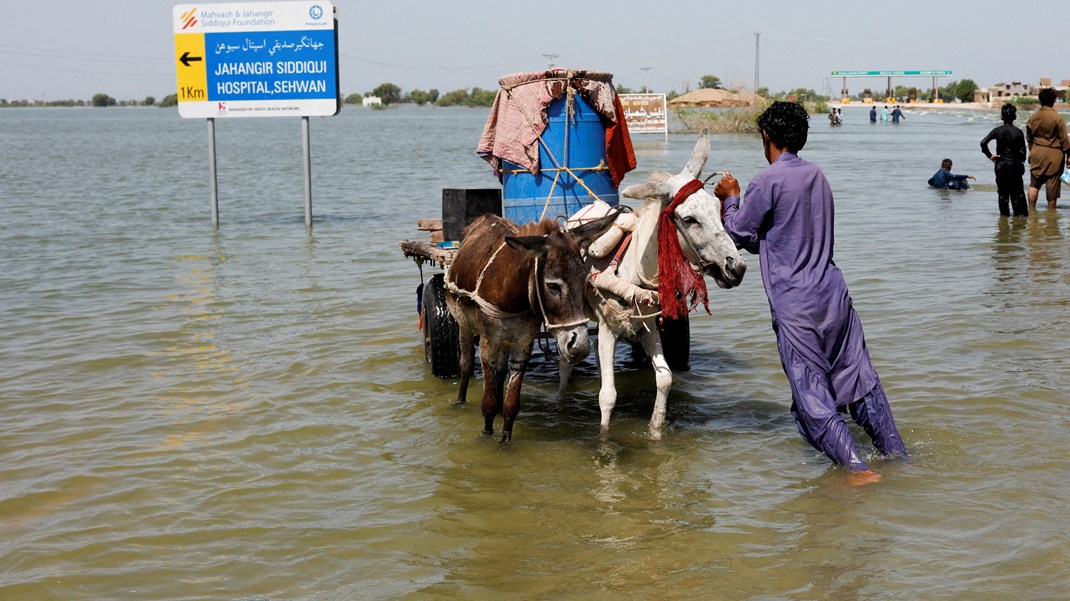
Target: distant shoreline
(968, 106)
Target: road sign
(258, 59)
(888, 73)
(645, 113)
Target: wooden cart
(440, 330)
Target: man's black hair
(786, 124)
(1008, 113)
(1047, 97)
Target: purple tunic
(788, 221)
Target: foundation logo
(189, 18)
(316, 12)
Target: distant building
(997, 94)
(372, 101)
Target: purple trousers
(821, 422)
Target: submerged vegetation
(729, 120)
(741, 120)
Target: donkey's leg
(651, 341)
(468, 358)
(607, 392)
(518, 364)
(493, 359)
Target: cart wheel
(441, 347)
(676, 342)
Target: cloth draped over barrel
(518, 118)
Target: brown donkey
(504, 283)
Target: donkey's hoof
(487, 432)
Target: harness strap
(620, 253)
(494, 311)
(494, 255)
(488, 307)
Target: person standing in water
(873, 114)
(1009, 163)
(1049, 150)
(787, 219)
(897, 115)
(884, 114)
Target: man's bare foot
(862, 477)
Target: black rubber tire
(676, 342)
(441, 347)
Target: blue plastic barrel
(527, 197)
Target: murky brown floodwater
(246, 414)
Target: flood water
(246, 413)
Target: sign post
(257, 59)
(645, 113)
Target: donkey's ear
(535, 245)
(587, 233)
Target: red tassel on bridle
(680, 286)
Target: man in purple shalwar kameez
(787, 220)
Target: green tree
(964, 90)
(169, 100)
(388, 93)
(103, 100)
(480, 97)
(802, 95)
(454, 98)
(477, 97)
(623, 90)
(709, 81)
(432, 95)
(420, 97)
(354, 99)
(148, 101)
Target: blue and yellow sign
(889, 73)
(256, 59)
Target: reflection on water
(246, 413)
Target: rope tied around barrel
(569, 76)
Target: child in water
(947, 180)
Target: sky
(73, 49)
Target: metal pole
(308, 172)
(757, 36)
(212, 172)
(665, 111)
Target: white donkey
(624, 298)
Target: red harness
(678, 282)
